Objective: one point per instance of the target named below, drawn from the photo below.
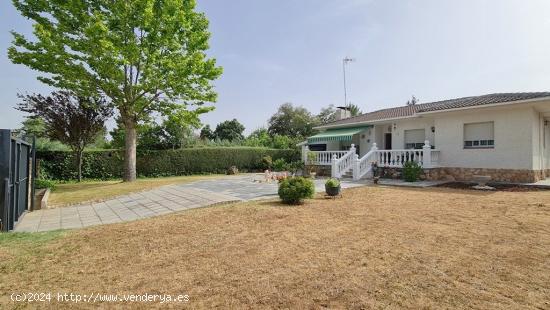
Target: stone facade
(497, 175)
(323, 171)
(460, 174)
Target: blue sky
(291, 51)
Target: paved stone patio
(161, 200)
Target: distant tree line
(288, 126)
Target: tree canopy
(145, 55)
(327, 114)
(74, 121)
(207, 133)
(292, 121)
(229, 130)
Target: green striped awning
(341, 134)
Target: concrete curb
(44, 200)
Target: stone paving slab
(158, 201)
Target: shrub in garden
(295, 190)
(411, 171)
(280, 165)
(267, 161)
(296, 165)
(41, 183)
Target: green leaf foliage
(332, 182)
(146, 56)
(108, 164)
(280, 165)
(295, 190)
(411, 171)
(292, 121)
(42, 183)
(229, 130)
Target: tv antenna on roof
(345, 61)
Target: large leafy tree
(178, 135)
(354, 109)
(328, 114)
(74, 121)
(292, 121)
(207, 133)
(172, 133)
(229, 130)
(145, 55)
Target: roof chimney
(343, 113)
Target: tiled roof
(465, 102)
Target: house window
(317, 147)
(479, 135)
(414, 138)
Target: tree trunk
(130, 151)
(79, 164)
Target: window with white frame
(479, 135)
(414, 138)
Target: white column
(333, 169)
(374, 147)
(427, 158)
(355, 166)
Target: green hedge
(59, 165)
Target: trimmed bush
(59, 165)
(411, 171)
(294, 190)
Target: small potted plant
(333, 187)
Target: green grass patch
(18, 250)
(25, 240)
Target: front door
(387, 141)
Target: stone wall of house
(323, 171)
(460, 174)
(497, 175)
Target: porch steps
(348, 175)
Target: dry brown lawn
(377, 247)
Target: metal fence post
(4, 220)
(32, 173)
(5, 154)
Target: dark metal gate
(17, 162)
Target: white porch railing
(435, 158)
(343, 164)
(425, 157)
(343, 161)
(364, 165)
(323, 158)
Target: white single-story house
(505, 136)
